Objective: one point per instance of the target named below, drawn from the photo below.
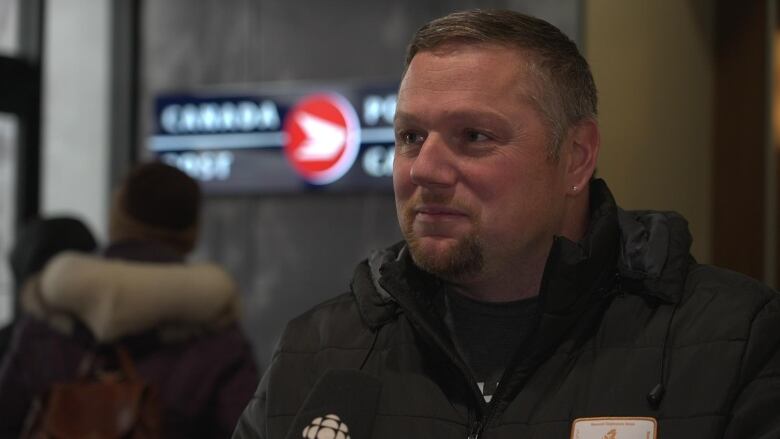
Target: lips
(434, 212)
(437, 221)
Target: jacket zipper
(475, 430)
(479, 424)
(476, 426)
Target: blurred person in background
(523, 302)
(178, 320)
(37, 242)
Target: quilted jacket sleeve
(251, 424)
(756, 412)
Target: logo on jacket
(323, 137)
(326, 427)
(615, 427)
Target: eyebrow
(404, 117)
(465, 114)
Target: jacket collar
(647, 252)
(579, 272)
(654, 253)
(390, 278)
(118, 298)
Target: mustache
(439, 200)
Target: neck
(519, 282)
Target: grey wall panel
(290, 252)
(9, 27)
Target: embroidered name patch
(614, 428)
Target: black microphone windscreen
(341, 405)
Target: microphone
(341, 405)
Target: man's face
(476, 191)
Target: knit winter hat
(158, 203)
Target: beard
(462, 259)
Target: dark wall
(739, 179)
(290, 252)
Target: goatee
(463, 259)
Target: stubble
(462, 259)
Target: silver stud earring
(574, 188)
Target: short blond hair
(565, 90)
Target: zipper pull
(476, 430)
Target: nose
(434, 165)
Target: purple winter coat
(196, 355)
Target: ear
(583, 144)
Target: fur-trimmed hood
(116, 298)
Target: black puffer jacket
(626, 313)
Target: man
(178, 320)
(523, 303)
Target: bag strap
(89, 364)
(126, 363)
(86, 367)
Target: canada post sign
(334, 139)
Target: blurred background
(89, 87)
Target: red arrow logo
(323, 137)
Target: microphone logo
(326, 427)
